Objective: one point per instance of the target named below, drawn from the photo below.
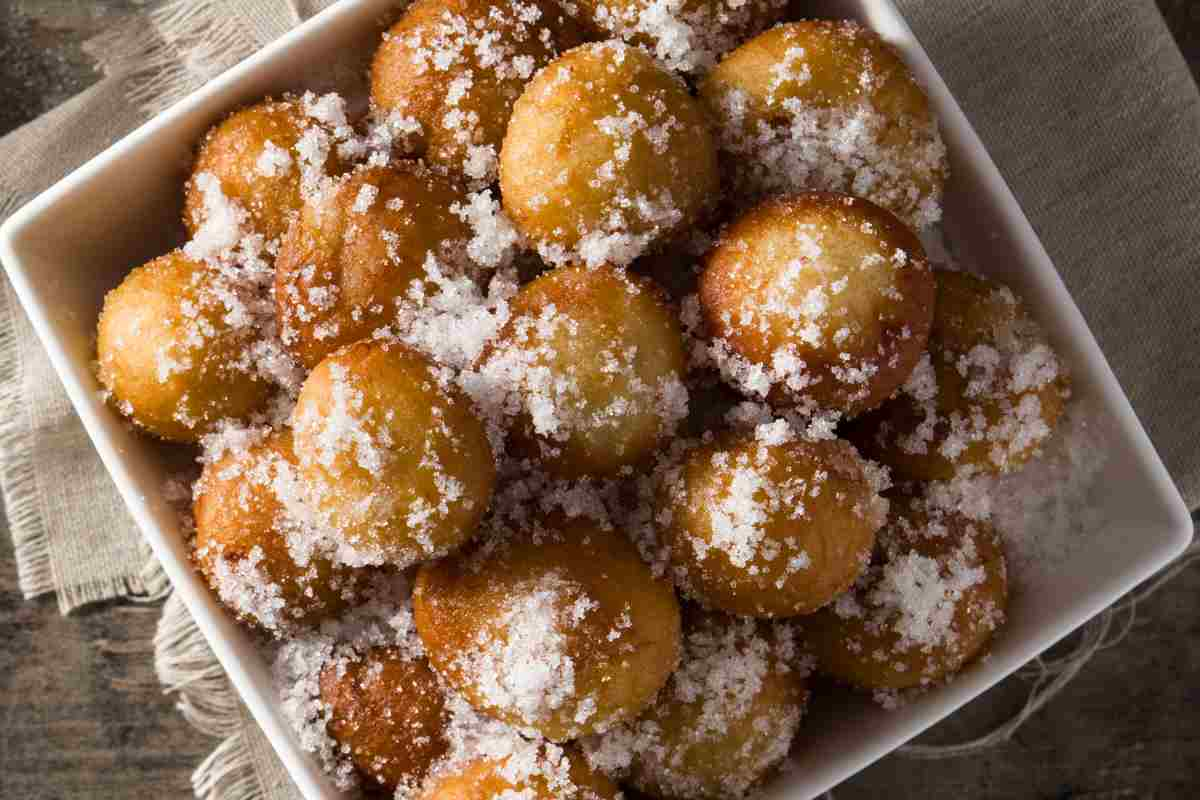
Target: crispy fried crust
(407, 77)
(397, 463)
(812, 509)
(346, 263)
(168, 354)
(622, 649)
(866, 650)
(583, 149)
(388, 713)
(834, 283)
(618, 340)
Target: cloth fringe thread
(228, 773)
(155, 585)
(187, 668)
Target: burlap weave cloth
(1086, 105)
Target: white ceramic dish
(70, 245)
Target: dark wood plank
(83, 712)
(83, 715)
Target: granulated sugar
(529, 670)
(728, 667)
(385, 620)
(1044, 511)
(918, 590)
(685, 36)
(785, 139)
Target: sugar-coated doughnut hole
(989, 393)
(592, 361)
(253, 156)
(562, 630)
(724, 721)
(241, 545)
(557, 774)
(387, 712)
(685, 35)
(355, 255)
(392, 458)
(820, 300)
(455, 67)
(606, 154)
(829, 106)
(769, 524)
(930, 604)
(172, 351)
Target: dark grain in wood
(83, 715)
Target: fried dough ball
(394, 460)
(241, 545)
(562, 630)
(605, 155)
(172, 352)
(769, 524)
(351, 259)
(990, 391)
(724, 722)
(457, 67)
(820, 300)
(593, 360)
(254, 159)
(928, 606)
(388, 713)
(830, 106)
(556, 774)
(685, 35)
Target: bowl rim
(882, 16)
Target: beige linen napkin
(71, 532)
(1086, 105)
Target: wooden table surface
(83, 715)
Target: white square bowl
(76, 241)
